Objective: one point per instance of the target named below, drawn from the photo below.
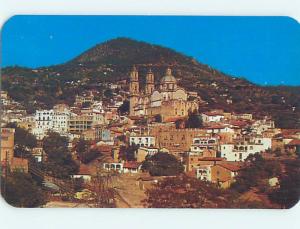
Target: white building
(239, 151)
(52, 120)
(212, 116)
(148, 141)
(260, 126)
(204, 172)
(204, 142)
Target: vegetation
(59, 161)
(288, 193)
(194, 120)
(162, 164)
(20, 190)
(23, 138)
(256, 172)
(124, 108)
(90, 155)
(128, 153)
(187, 192)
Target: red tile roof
(232, 167)
(294, 142)
(173, 119)
(211, 159)
(84, 170)
(213, 113)
(131, 165)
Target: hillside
(112, 61)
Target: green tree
(128, 153)
(108, 93)
(82, 147)
(90, 156)
(162, 164)
(194, 120)
(59, 161)
(23, 137)
(124, 108)
(257, 170)
(20, 190)
(184, 192)
(158, 118)
(288, 193)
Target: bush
(162, 164)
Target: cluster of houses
(215, 152)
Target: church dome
(168, 78)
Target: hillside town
(121, 144)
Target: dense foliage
(256, 173)
(20, 190)
(162, 164)
(22, 137)
(194, 121)
(59, 162)
(288, 194)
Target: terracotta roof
(238, 123)
(211, 159)
(213, 113)
(104, 148)
(294, 142)
(135, 117)
(214, 125)
(288, 133)
(84, 170)
(173, 119)
(231, 167)
(131, 165)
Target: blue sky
(265, 50)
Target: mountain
(112, 60)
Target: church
(166, 99)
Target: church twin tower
(134, 87)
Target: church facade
(166, 99)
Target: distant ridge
(112, 60)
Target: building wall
(7, 144)
(80, 123)
(222, 176)
(176, 139)
(239, 152)
(148, 141)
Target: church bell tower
(133, 90)
(149, 82)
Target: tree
(81, 147)
(128, 153)
(185, 192)
(158, 118)
(108, 93)
(194, 120)
(124, 108)
(20, 190)
(90, 156)
(59, 161)
(256, 171)
(287, 195)
(162, 164)
(23, 137)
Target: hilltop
(111, 61)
